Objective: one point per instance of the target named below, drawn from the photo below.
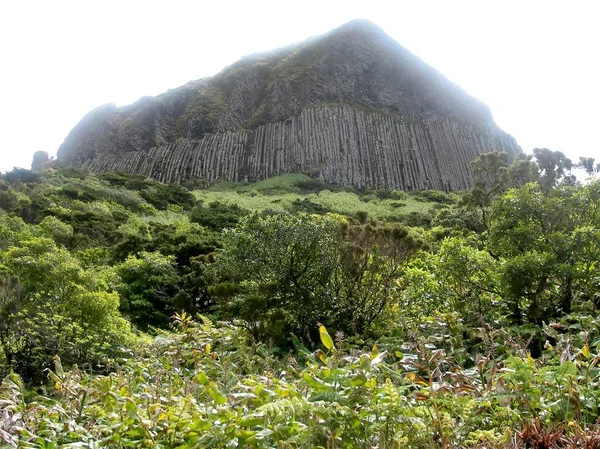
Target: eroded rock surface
(352, 106)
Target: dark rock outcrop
(352, 106)
(40, 161)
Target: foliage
(552, 166)
(550, 242)
(202, 114)
(217, 216)
(147, 285)
(293, 271)
(171, 234)
(157, 194)
(587, 163)
(342, 202)
(435, 196)
(461, 320)
(50, 306)
(283, 264)
(206, 386)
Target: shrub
(217, 215)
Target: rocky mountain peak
(338, 105)
(359, 28)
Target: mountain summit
(351, 106)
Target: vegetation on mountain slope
(289, 313)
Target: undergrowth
(207, 386)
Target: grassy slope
(280, 192)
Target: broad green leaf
(58, 366)
(326, 338)
(250, 421)
(314, 382)
(201, 378)
(358, 380)
(244, 434)
(371, 383)
(215, 394)
(131, 408)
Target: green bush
(294, 271)
(435, 196)
(50, 305)
(147, 284)
(217, 215)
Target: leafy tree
(459, 278)
(284, 264)
(21, 175)
(553, 166)
(10, 304)
(60, 232)
(494, 174)
(177, 237)
(370, 262)
(470, 277)
(51, 306)
(195, 281)
(148, 282)
(549, 243)
(13, 230)
(459, 218)
(286, 273)
(163, 195)
(156, 193)
(522, 170)
(587, 163)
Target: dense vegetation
(290, 313)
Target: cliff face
(352, 105)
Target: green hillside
(299, 193)
(290, 313)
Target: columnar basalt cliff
(352, 106)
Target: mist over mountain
(352, 107)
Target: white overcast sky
(535, 63)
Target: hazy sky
(535, 63)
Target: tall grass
(279, 194)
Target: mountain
(351, 106)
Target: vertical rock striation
(352, 106)
(344, 145)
